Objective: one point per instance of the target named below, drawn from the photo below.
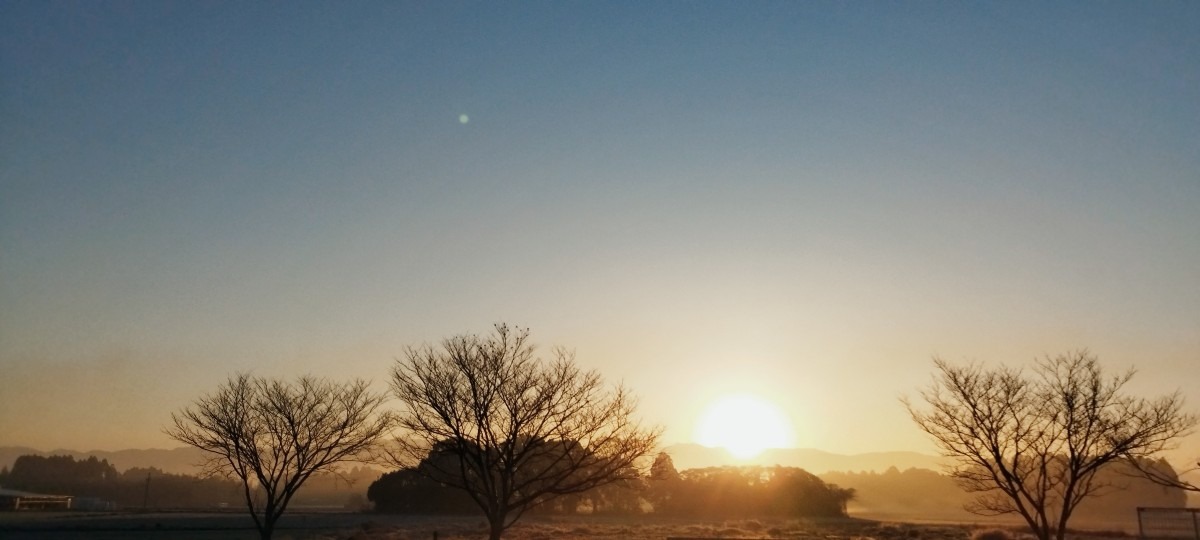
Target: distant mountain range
(689, 456)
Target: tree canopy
(511, 430)
(1032, 445)
(274, 435)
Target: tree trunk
(268, 528)
(496, 529)
(1035, 523)
(1064, 517)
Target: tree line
(98, 480)
(96, 483)
(891, 494)
(712, 492)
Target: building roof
(16, 493)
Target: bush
(991, 534)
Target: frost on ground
(356, 526)
(633, 529)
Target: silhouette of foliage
(927, 494)
(623, 497)
(1033, 446)
(725, 492)
(913, 492)
(749, 492)
(663, 482)
(58, 474)
(408, 491)
(137, 487)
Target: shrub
(991, 534)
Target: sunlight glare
(745, 425)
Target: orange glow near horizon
(745, 425)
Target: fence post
(1141, 532)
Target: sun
(745, 425)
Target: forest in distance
(893, 494)
(97, 484)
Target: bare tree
(485, 416)
(1032, 445)
(273, 435)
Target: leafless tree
(486, 416)
(1031, 445)
(273, 435)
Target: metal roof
(15, 493)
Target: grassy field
(353, 526)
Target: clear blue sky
(800, 200)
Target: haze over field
(797, 202)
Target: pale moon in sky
(745, 425)
(462, 119)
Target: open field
(355, 526)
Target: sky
(801, 201)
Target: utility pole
(146, 494)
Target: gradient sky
(801, 200)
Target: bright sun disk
(745, 425)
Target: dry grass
(650, 528)
(659, 529)
(991, 534)
(349, 526)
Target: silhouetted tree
(663, 481)
(273, 435)
(752, 491)
(892, 492)
(408, 491)
(623, 497)
(60, 474)
(663, 469)
(1032, 446)
(144, 487)
(514, 432)
(96, 478)
(942, 498)
(797, 492)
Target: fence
(1169, 522)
